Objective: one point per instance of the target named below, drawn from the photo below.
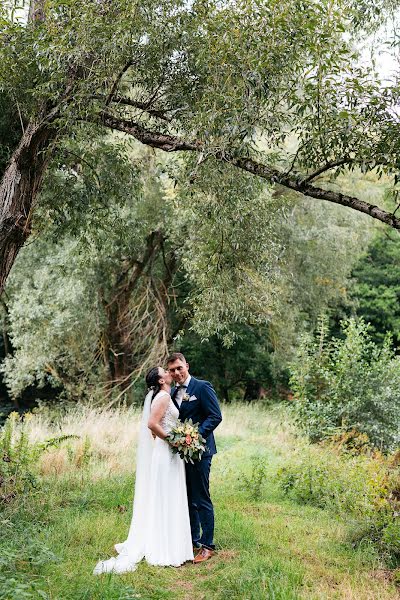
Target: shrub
(347, 384)
(19, 456)
(253, 483)
(365, 487)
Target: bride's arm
(157, 412)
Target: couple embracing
(173, 516)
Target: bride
(160, 526)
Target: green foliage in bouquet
(187, 441)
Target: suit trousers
(201, 510)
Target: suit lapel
(191, 386)
(173, 396)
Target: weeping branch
(303, 185)
(136, 317)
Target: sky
(386, 58)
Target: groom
(197, 400)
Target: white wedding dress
(160, 526)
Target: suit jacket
(202, 408)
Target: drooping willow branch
(303, 185)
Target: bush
(348, 384)
(365, 487)
(322, 480)
(18, 457)
(253, 483)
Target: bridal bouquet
(186, 441)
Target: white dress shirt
(182, 391)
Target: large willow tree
(130, 266)
(221, 82)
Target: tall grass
(112, 434)
(109, 435)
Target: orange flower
(188, 439)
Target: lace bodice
(170, 417)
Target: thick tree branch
(116, 82)
(170, 143)
(300, 185)
(163, 141)
(327, 167)
(143, 106)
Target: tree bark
(19, 188)
(171, 267)
(119, 346)
(36, 11)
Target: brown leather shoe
(196, 550)
(204, 555)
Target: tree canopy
(274, 89)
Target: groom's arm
(211, 408)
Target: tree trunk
(19, 188)
(252, 391)
(118, 334)
(36, 11)
(119, 341)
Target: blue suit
(202, 408)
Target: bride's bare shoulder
(161, 398)
(164, 394)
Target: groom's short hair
(176, 356)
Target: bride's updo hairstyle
(153, 380)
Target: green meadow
(269, 546)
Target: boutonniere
(186, 398)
